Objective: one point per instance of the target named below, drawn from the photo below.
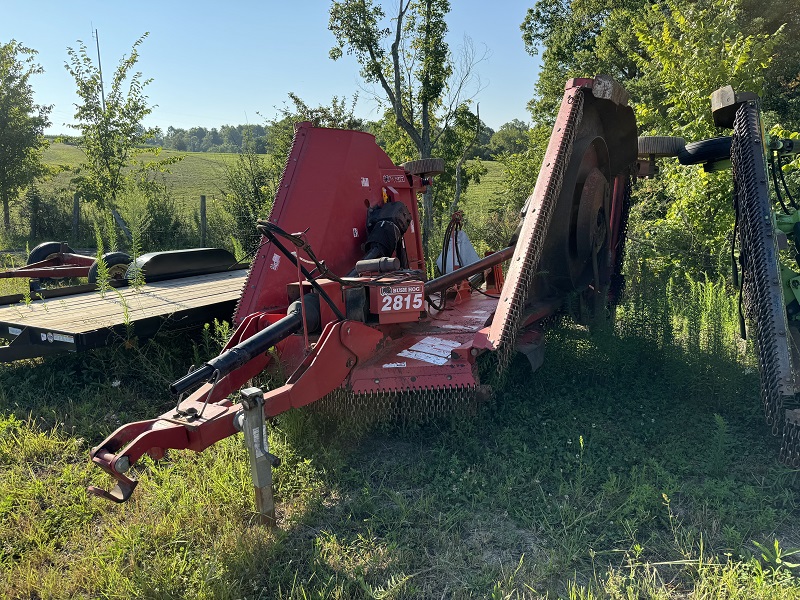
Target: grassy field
(196, 174)
(627, 467)
(203, 173)
(634, 464)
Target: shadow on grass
(617, 452)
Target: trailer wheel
(425, 166)
(46, 250)
(706, 151)
(116, 263)
(660, 145)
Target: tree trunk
(427, 220)
(425, 149)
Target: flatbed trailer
(81, 318)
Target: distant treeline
(509, 139)
(228, 138)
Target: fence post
(122, 224)
(203, 221)
(76, 217)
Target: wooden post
(76, 217)
(34, 208)
(203, 221)
(122, 224)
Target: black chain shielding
(762, 289)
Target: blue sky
(216, 63)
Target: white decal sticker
(44, 337)
(355, 232)
(428, 358)
(257, 440)
(276, 261)
(60, 337)
(434, 345)
(397, 365)
(50, 337)
(431, 350)
(365, 182)
(14, 330)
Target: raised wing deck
(86, 320)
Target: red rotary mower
(338, 285)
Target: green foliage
(22, 124)
(49, 216)
(135, 212)
(522, 168)
(110, 124)
(102, 267)
(578, 39)
(511, 138)
(110, 230)
(775, 557)
(782, 77)
(719, 448)
(688, 52)
(228, 138)
(670, 55)
(252, 182)
(425, 87)
(392, 138)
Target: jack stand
(250, 421)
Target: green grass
(482, 196)
(627, 467)
(196, 174)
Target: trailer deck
(77, 320)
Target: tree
(690, 51)
(579, 39)
(424, 85)
(670, 55)
(782, 80)
(511, 138)
(22, 124)
(111, 125)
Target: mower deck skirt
(88, 320)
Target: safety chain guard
(525, 262)
(412, 406)
(762, 290)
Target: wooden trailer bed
(88, 319)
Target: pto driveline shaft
(243, 352)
